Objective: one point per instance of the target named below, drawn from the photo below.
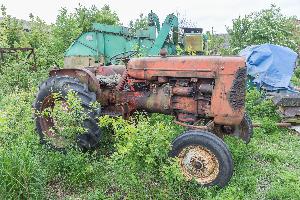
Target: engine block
(190, 88)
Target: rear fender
(84, 75)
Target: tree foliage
(217, 44)
(139, 23)
(50, 41)
(69, 26)
(265, 26)
(11, 30)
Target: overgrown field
(132, 161)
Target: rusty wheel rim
(49, 125)
(199, 163)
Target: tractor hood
(150, 68)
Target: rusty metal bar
(191, 126)
(15, 50)
(280, 124)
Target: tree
(139, 23)
(185, 21)
(265, 26)
(69, 26)
(51, 41)
(11, 30)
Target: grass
(133, 162)
(266, 168)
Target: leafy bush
(259, 106)
(19, 75)
(16, 108)
(142, 146)
(265, 26)
(68, 116)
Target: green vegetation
(259, 27)
(139, 23)
(68, 116)
(132, 162)
(265, 26)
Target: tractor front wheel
(203, 157)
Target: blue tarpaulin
(270, 66)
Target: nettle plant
(67, 116)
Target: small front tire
(203, 157)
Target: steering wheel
(124, 56)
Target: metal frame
(16, 50)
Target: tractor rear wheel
(45, 101)
(203, 157)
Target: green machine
(105, 44)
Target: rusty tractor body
(190, 88)
(204, 93)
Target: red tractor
(209, 91)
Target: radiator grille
(238, 90)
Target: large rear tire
(203, 157)
(45, 100)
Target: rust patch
(199, 163)
(49, 125)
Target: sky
(205, 14)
